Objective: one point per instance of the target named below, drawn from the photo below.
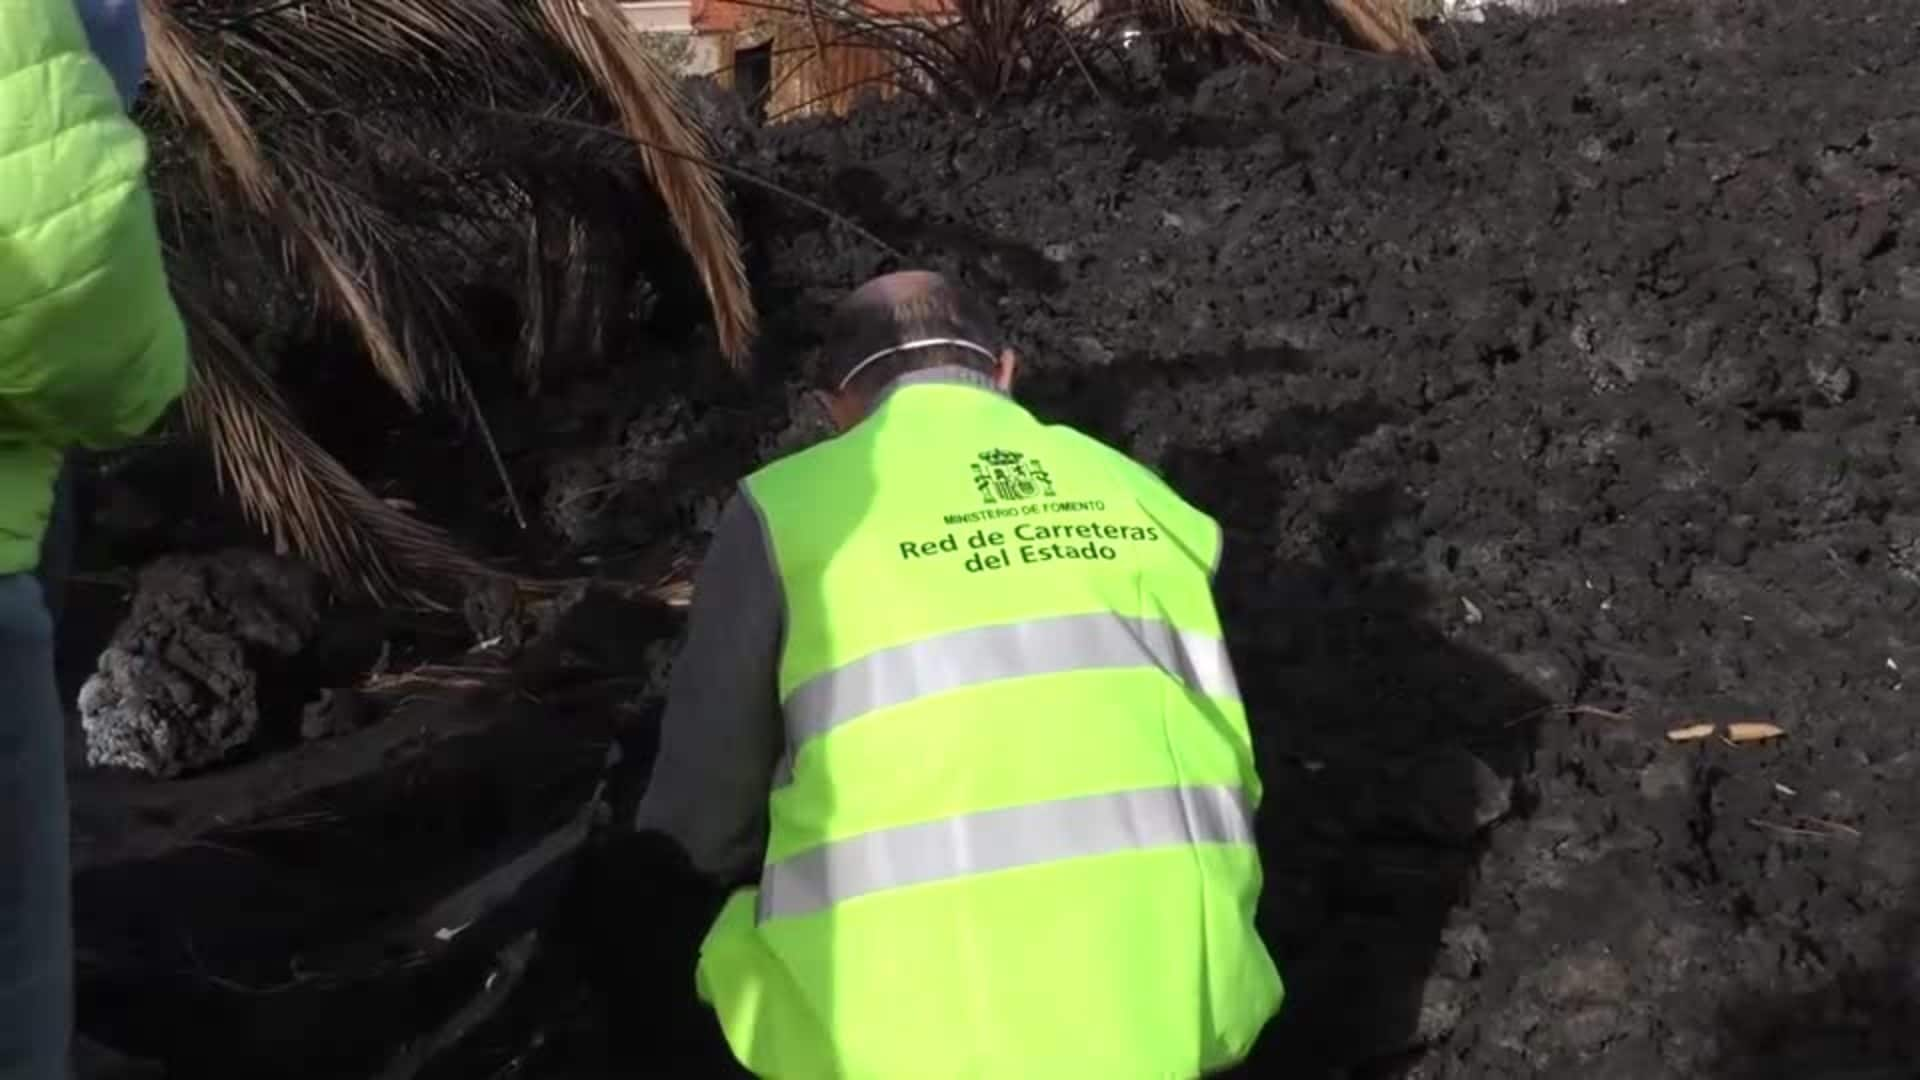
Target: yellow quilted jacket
(91, 346)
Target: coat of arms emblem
(1006, 476)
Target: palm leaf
(295, 491)
(347, 141)
(1384, 25)
(654, 115)
(193, 89)
(1219, 19)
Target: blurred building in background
(793, 58)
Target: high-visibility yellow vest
(92, 349)
(1012, 836)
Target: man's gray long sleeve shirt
(721, 735)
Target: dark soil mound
(1550, 404)
(1580, 375)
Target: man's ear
(823, 400)
(842, 407)
(1005, 369)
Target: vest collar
(945, 374)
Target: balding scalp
(911, 305)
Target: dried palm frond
(311, 72)
(1384, 25)
(1211, 18)
(344, 159)
(294, 490)
(652, 112)
(193, 89)
(195, 94)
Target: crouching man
(955, 711)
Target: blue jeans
(56, 548)
(36, 929)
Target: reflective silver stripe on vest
(1009, 651)
(1001, 840)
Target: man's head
(904, 322)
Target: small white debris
(1784, 789)
(448, 933)
(1474, 615)
(1753, 731)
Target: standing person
(955, 715)
(92, 351)
(115, 35)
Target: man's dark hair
(867, 322)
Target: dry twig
(1827, 829)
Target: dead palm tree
(369, 156)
